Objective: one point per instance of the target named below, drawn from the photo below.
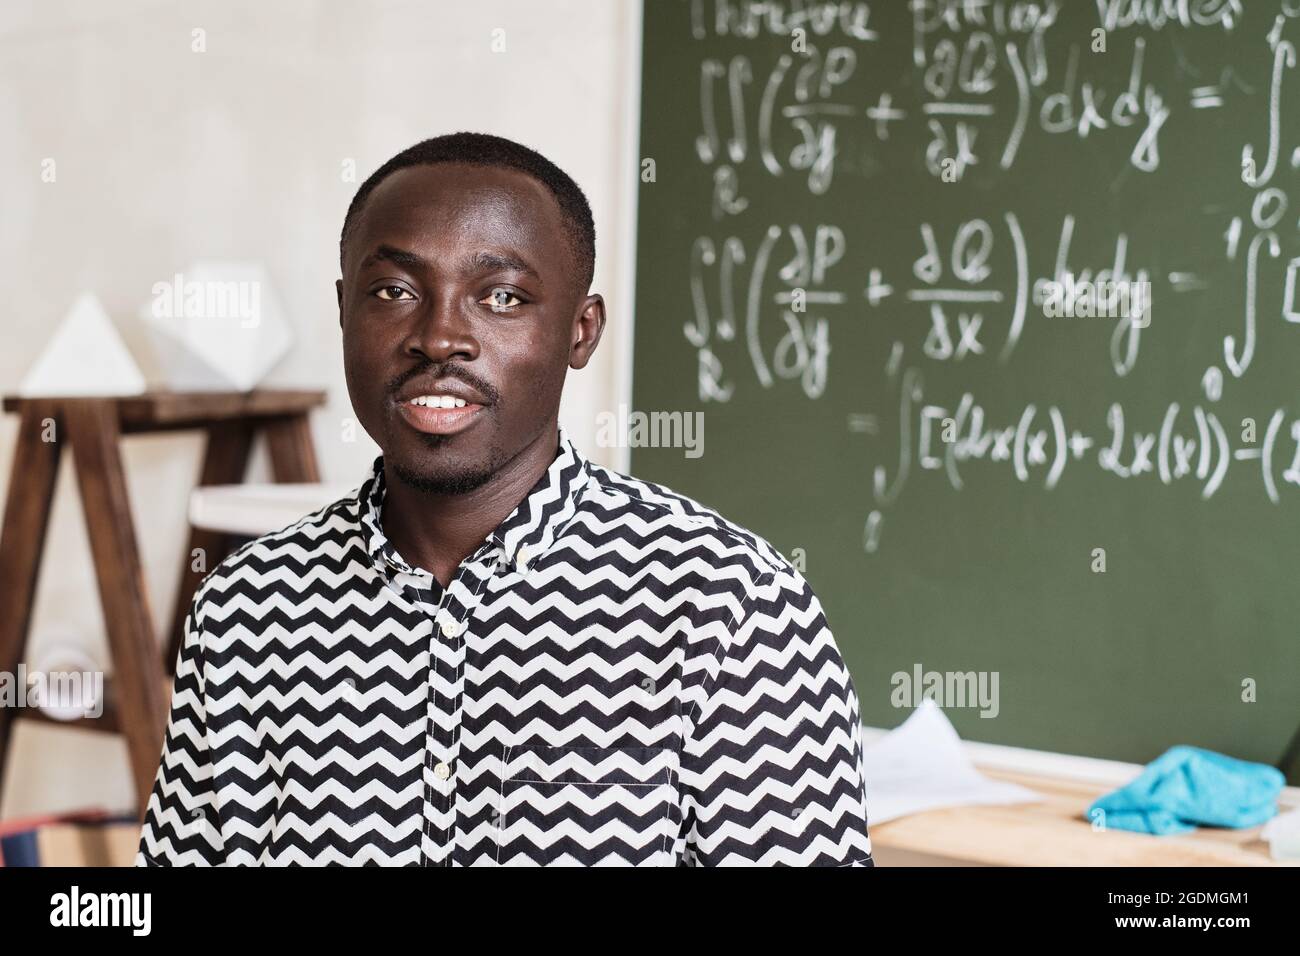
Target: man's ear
(338, 290)
(587, 328)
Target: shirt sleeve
(181, 823)
(772, 771)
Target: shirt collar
(526, 533)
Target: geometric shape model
(217, 327)
(86, 357)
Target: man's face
(461, 311)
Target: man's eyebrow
(481, 261)
(484, 261)
(400, 257)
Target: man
(496, 651)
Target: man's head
(466, 261)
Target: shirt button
(521, 558)
(449, 628)
(442, 771)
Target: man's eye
(391, 293)
(502, 299)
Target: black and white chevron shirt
(616, 676)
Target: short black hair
(483, 149)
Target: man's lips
(444, 405)
(439, 421)
(442, 389)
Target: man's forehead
(455, 203)
(457, 191)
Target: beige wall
(164, 156)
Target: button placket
(446, 699)
(438, 769)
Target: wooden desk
(136, 702)
(1055, 833)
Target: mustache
(448, 370)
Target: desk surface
(160, 409)
(1053, 833)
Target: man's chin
(446, 477)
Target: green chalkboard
(857, 227)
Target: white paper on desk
(920, 765)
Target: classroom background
(829, 230)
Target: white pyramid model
(86, 357)
(217, 326)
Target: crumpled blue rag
(1185, 787)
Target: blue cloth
(1188, 786)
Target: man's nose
(442, 331)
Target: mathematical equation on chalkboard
(799, 98)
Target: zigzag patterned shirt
(617, 675)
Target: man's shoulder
(326, 535)
(655, 515)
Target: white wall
(164, 156)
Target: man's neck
(437, 532)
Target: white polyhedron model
(217, 326)
(86, 357)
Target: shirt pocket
(588, 806)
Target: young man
(496, 651)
